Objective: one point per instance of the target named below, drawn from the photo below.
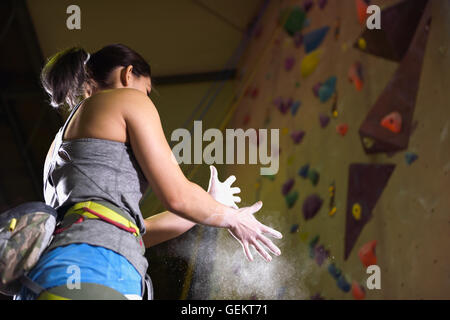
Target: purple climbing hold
(298, 136)
(311, 206)
(322, 4)
(316, 89)
(307, 5)
(287, 186)
(289, 63)
(278, 101)
(324, 120)
(321, 255)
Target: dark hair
(66, 74)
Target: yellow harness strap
(104, 211)
(46, 295)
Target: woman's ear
(126, 76)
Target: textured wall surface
(410, 220)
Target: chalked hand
(222, 191)
(250, 232)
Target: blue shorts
(96, 265)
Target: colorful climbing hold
(314, 176)
(334, 271)
(343, 284)
(287, 186)
(324, 120)
(314, 39)
(322, 4)
(321, 255)
(310, 62)
(362, 44)
(355, 75)
(307, 5)
(356, 211)
(294, 228)
(303, 172)
(289, 63)
(295, 106)
(411, 157)
(291, 199)
(342, 129)
(332, 212)
(327, 89)
(358, 291)
(392, 122)
(368, 142)
(316, 89)
(361, 10)
(311, 206)
(298, 136)
(295, 20)
(367, 253)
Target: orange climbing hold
(358, 291)
(367, 254)
(392, 122)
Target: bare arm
(178, 195)
(164, 226)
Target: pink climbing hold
(367, 254)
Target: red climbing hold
(358, 291)
(342, 129)
(392, 122)
(361, 9)
(367, 254)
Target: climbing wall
(364, 153)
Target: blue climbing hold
(327, 89)
(343, 284)
(314, 39)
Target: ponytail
(68, 73)
(64, 77)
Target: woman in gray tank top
(110, 149)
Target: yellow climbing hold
(356, 211)
(368, 142)
(310, 62)
(362, 43)
(332, 212)
(285, 131)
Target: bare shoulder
(126, 101)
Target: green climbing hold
(291, 199)
(295, 21)
(313, 176)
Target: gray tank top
(97, 169)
